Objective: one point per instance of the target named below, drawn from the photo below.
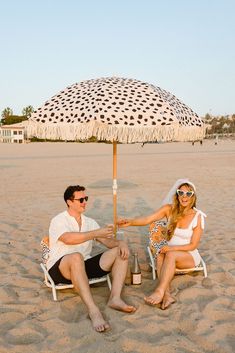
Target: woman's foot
(167, 301)
(119, 304)
(98, 322)
(155, 298)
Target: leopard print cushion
(157, 236)
(45, 249)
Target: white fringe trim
(123, 134)
(190, 133)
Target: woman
(184, 230)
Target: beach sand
(32, 181)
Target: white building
(14, 133)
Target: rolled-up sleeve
(56, 229)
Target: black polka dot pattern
(115, 109)
(116, 101)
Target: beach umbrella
(117, 110)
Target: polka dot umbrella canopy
(118, 110)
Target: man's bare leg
(111, 260)
(72, 267)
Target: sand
(32, 181)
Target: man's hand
(105, 232)
(123, 250)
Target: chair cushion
(45, 249)
(157, 236)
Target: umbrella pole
(115, 186)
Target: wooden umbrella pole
(115, 186)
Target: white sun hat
(169, 197)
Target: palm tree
(27, 111)
(6, 113)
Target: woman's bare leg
(168, 299)
(172, 259)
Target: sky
(186, 47)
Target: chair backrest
(157, 236)
(45, 249)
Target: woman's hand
(165, 249)
(123, 223)
(123, 250)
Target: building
(15, 133)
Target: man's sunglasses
(82, 199)
(185, 193)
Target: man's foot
(167, 301)
(98, 322)
(119, 304)
(155, 298)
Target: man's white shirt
(63, 223)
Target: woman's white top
(182, 236)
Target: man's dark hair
(69, 192)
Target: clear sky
(184, 46)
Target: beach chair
(48, 281)
(157, 240)
(200, 267)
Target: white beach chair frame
(54, 287)
(51, 284)
(200, 267)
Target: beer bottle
(135, 271)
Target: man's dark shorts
(92, 267)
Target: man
(71, 235)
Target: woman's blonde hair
(178, 211)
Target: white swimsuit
(182, 236)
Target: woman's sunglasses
(185, 193)
(82, 199)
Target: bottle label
(136, 278)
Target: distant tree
(27, 111)
(232, 125)
(207, 117)
(6, 112)
(13, 119)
